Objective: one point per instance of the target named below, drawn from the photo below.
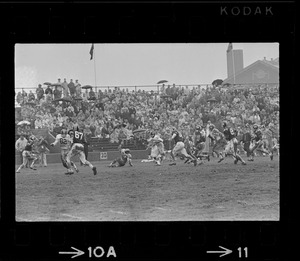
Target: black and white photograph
(147, 132)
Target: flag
(92, 52)
(229, 47)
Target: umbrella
(162, 81)
(87, 87)
(63, 99)
(213, 99)
(47, 83)
(139, 131)
(217, 82)
(23, 122)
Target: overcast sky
(130, 64)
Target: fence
(155, 89)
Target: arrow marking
(226, 252)
(77, 253)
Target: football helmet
(64, 132)
(71, 133)
(255, 126)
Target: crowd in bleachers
(115, 113)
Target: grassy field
(145, 192)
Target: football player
(219, 140)
(179, 148)
(28, 154)
(77, 148)
(231, 146)
(122, 160)
(199, 141)
(270, 139)
(157, 148)
(64, 140)
(257, 139)
(246, 139)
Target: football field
(145, 192)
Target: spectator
(142, 109)
(72, 88)
(59, 85)
(65, 88)
(39, 92)
(78, 88)
(31, 96)
(92, 95)
(20, 146)
(48, 90)
(19, 98)
(57, 93)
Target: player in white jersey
(64, 140)
(28, 155)
(157, 148)
(77, 148)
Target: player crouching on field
(230, 135)
(155, 142)
(258, 143)
(122, 160)
(28, 154)
(179, 148)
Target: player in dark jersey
(246, 140)
(28, 155)
(122, 160)
(77, 148)
(230, 135)
(179, 148)
(257, 139)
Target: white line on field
(160, 208)
(118, 212)
(67, 215)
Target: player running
(246, 140)
(199, 143)
(231, 147)
(28, 154)
(123, 159)
(77, 148)
(257, 139)
(271, 141)
(179, 148)
(64, 140)
(218, 139)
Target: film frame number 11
(241, 252)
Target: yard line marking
(161, 208)
(68, 215)
(118, 212)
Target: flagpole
(233, 66)
(94, 56)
